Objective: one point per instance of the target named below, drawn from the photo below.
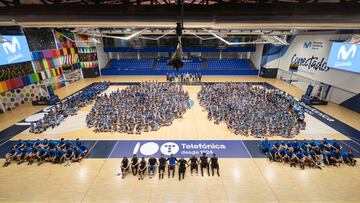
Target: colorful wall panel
(15, 70)
(62, 41)
(86, 50)
(56, 82)
(13, 98)
(53, 53)
(93, 64)
(50, 63)
(29, 79)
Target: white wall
(345, 84)
(255, 57)
(103, 57)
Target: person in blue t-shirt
(301, 159)
(52, 144)
(58, 156)
(265, 146)
(336, 145)
(172, 163)
(20, 144)
(36, 143)
(61, 144)
(41, 155)
(272, 154)
(21, 155)
(313, 144)
(68, 155)
(348, 158)
(11, 155)
(68, 144)
(77, 142)
(28, 155)
(44, 144)
(337, 156)
(78, 154)
(294, 159)
(84, 149)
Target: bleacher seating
(193, 64)
(229, 64)
(128, 64)
(162, 65)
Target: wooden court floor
(242, 180)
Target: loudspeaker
(293, 67)
(268, 72)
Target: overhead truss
(14, 3)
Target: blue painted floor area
(102, 149)
(254, 149)
(10, 132)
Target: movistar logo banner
(313, 45)
(11, 47)
(14, 49)
(345, 56)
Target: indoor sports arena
(179, 101)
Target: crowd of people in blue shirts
(139, 108)
(312, 153)
(255, 110)
(62, 151)
(68, 107)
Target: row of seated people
(68, 107)
(183, 77)
(311, 153)
(46, 151)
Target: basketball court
(247, 176)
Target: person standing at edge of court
(162, 165)
(134, 164)
(171, 167)
(204, 163)
(214, 163)
(194, 165)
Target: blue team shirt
(53, 144)
(78, 153)
(172, 160)
(336, 145)
(265, 144)
(83, 147)
(69, 152)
